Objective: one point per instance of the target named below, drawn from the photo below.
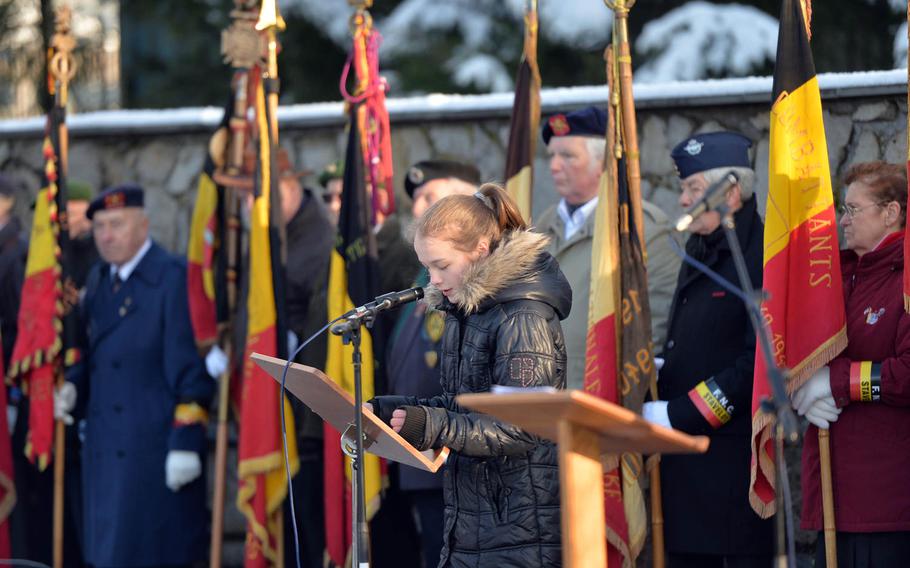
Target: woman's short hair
(886, 182)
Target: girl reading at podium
(503, 297)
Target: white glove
(293, 343)
(823, 413)
(656, 413)
(181, 467)
(64, 402)
(818, 386)
(815, 401)
(216, 362)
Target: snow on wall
(442, 106)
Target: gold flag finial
(269, 16)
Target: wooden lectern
(336, 406)
(584, 427)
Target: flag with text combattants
(261, 469)
(353, 280)
(619, 364)
(525, 121)
(805, 305)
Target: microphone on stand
(712, 197)
(379, 304)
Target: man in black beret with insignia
(705, 385)
(575, 144)
(146, 394)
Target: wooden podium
(336, 406)
(584, 427)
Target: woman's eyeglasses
(852, 211)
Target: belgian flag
(525, 120)
(261, 469)
(801, 263)
(619, 364)
(206, 253)
(46, 340)
(353, 281)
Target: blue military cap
(590, 121)
(710, 150)
(117, 197)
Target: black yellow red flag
(261, 469)
(619, 362)
(46, 339)
(206, 255)
(525, 121)
(353, 281)
(801, 263)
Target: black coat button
(118, 408)
(115, 364)
(121, 454)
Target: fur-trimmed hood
(518, 268)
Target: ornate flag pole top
(271, 22)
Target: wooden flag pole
(241, 47)
(629, 130)
(62, 67)
(824, 453)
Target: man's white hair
(597, 147)
(746, 178)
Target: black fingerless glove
(415, 425)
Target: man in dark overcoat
(705, 385)
(146, 395)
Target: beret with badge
(590, 121)
(703, 152)
(117, 197)
(428, 170)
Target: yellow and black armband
(865, 381)
(712, 403)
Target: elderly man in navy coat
(146, 394)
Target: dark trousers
(718, 561)
(867, 550)
(308, 508)
(429, 508)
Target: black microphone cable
(284, 432)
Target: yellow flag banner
(801, 263)
(353, 279)
(261, 469)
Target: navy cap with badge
(710, 150)
(428, 170)
(590, 121)
(117, 197)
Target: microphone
(369, 310)
(712, 197)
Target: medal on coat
(433, 324)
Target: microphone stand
(350, 332)
(783, 423)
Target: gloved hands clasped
(815, 401)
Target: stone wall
(861, 123)
(167, 160)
